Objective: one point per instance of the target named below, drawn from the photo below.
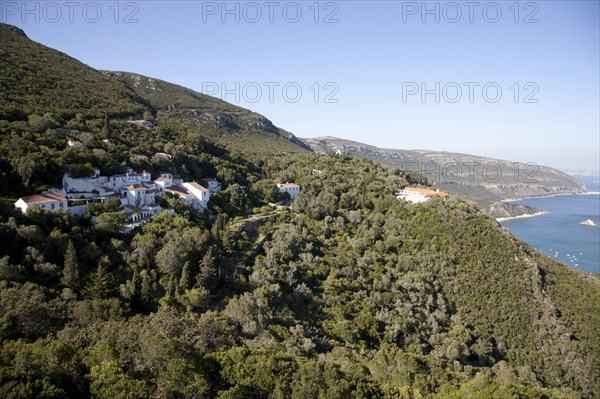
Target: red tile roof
(179, 191)
(43, 198)
(197, 186)
(426, 191)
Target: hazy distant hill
(483, 180)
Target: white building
(192, 193)
(86, 186)
(181, 192)
(138, 195)
(213, 185)
(167, 180)
(139, 203)
(419, 195)
(102, 185)
(118, 182)
(291, 188)
(49, 201)
(200, 192)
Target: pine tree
(146, 288)
(219, 225)
(100, 284)
(70, 276)
(146, 291)
(207, 275)
(185, 281)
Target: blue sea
(558, 234)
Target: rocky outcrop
(508, 210)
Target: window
(52, 205)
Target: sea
(559, 234)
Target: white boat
(588, 222)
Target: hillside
(228, 124)
(114, 120)
(38, 80)
(485, 181)
(346, 292)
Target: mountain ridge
(115, 95)
(484, 180)
(199, 109)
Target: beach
(522, 216)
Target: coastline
(589, 193)
(550, 195)
(538, 197)
(528, 215)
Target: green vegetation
(226, 124)
(45, 86)
(484, 181)
(48, 98)
(347, 293)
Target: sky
(506, 79)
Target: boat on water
(588, 222)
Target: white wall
(84, 185)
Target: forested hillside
(347, 292)
(48, 98)
(487, 182)
(230, 125)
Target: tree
(26, 169)
(207, 275)
(70, 276)
(108, 380)
(43, 369)
(185, 280)
(181, 245)
(82, 170)
(219, 225)
(266, 190)
(110, 223)
(106, 127)
(146, 289)
(100, 284)
(27, 311)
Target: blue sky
(361, 66)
